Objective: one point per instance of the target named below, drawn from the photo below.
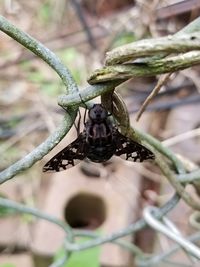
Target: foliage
(85, 258)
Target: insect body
(99, 141)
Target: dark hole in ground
(86, 211)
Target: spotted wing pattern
(69, 156)
(131, 150)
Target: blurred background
(103, 198)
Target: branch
(99, 89)
(145, 69)
(185, 40)
(150, 47)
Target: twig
(181, 137)
(81, 16)
(162, 80)
(170, 104)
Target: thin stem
(39, 152)
(162, 80)
(86, 94)
(162, 149)
(167, 172)
(181, 137)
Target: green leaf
(7, 265)
(85, 258)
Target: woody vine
(157, 59)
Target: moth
(98, 142)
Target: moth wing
(68, 157)
(131, 150)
